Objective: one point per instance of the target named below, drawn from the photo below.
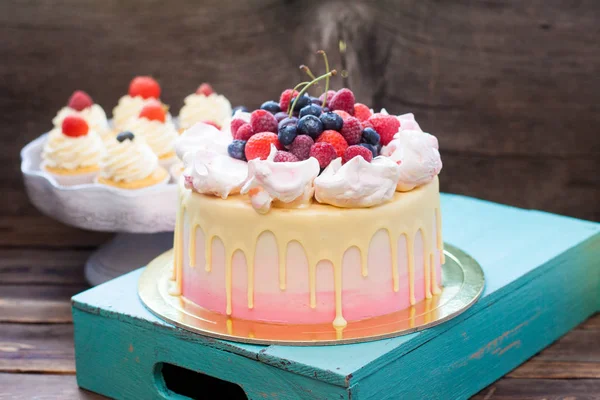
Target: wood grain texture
(541, 389)
(37, 304)
(47, 387)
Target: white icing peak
(66, 152)
(287, 183)
(358, 183)
(199, 107)
(202, 136)
(129, 160)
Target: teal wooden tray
(542, 278)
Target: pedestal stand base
(124, 253)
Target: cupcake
(142, 90)
(82, 105)
(129, 163)
(160, 133)
(73, 153)
(205, 106)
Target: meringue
(358, 183)
(417, 155)
(202, 136)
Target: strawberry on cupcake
(142, 90)
(205, 106)
(81, 104)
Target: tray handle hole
(188, 384)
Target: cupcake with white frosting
(81, 104)
(159, 132)
(205, 106)
(130, 163)
(73, 152)
(142, 90)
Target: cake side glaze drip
(286, 226)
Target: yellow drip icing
(228, 281)
(207, 252)
(339, 321)
(250, 266)
(364, 261)
(426, 266)
(410, 250)
(192, 246)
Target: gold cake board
(462, 280)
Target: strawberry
(362, 112)
(80, 100)
(343, 100)
(357, 151)
(342, 114)
(205, 89)
(74, 126)
(235, 124)
(352, 130)
(154, 111)
(144, 86)
(335, 139)
(263, 121)
(259, 145)
(244, 132)
(386, 125)
(324, 153)
(286, 97)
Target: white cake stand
(143, 219)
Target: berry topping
(352, 130)
(357, 151)
(336, 140)
(123, 136)
(284, 156)
(302, 102)
(280, 116)
(286, 97)
(332, 121)
(74, 126)
(386, 125)
(324, 153)
(316, 100)
(144, 86)
(362, 112)
(310, 125)
(342, 114)
(311, 109)
(271, 106)
(236, 149)
(287, 121)
(287, 134)
(343, 100)
(239, 109)
(263, 121)
(330, 94)
(205, 89)
(259, 145)
(370, 136)
(300, 147)
(80, 100)
(235, 125)
(244, 132)
(371, 148)
(154, 111)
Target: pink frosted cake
(318, 211)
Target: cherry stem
(305, 88)
(308, 71)
(327, 80)
(294, 89)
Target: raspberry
(330, 94)
(80, 100)
(300, 147)
(343, 100)
(357, 151)
(324, 153)
(244, 132)
(284, 156)
(342, 114)
(352, 130)
(362, 112)
(236, 123)
(205, 89)
(336, 140)
(386, 125)
(74, 126)
(263, 121)
(286, 97)
(154, 111)
(144, 86)
(259, 145)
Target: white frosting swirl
(66, 152)
(161, 136)
(202, 136)
(418, 157)
(209, 172)
(198, 108)
(358, 183)
(93, 115)
(129, 160)
(284, 182)
(129, 108)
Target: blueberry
(287, 134)
(315, 100)
(326, 109)
(123, 136)
(371, 148)
(310, 125)
(302, 102)
(239, 108)
(236, 149)
(271, 106)
(331, 120)
(311, 109)
(280, 116)
(370, 136)
(287, 121)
